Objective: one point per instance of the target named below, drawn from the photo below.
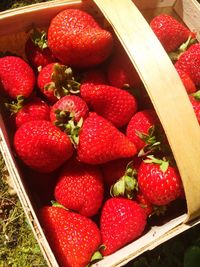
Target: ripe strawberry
(90, 78)
(195, 101)
(16, 77)
(56, 80)
(189, 62)
(144, 203)
(141, 128)
(77, 40)
(159, 182)
(100, 141)
(42, 146)
(112, 103)
(22, 112)
(78, 186)
(37, 51)
(73, 238)
(187, 82)
(122, 221)
(121, 72)
(170, 32)
(69, 104)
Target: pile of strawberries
(85, 129)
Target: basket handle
(165, 90)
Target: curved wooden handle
(165, 90)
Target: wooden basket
(129, 20)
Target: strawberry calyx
(174, 56)
(158, 210)
(96, 256)
(15, 105)
(39, 38)
(196, 95)
(164, 164)
(127, 184)
(63, 82)
(56, 204)
(150, 140)
(65, 120)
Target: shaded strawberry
(56, 80)
(100, 141)
(16, 77)
(195, 101)
(77, 40)
(78, 186)
(42, 146)
(170, 31)
(35, 109)
(112, 103)
(159, 182)
(187, 82)
(189, 62)
(122, 221)
(121, 72)
(36, 49)
(73, 237)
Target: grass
(18, 247)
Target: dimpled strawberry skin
(100, 141)
(159, 187)
(73, 237)
(42, 146)
(76, 39)
(77, 187)
(16, 77)
(122, 221)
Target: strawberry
(195, 101)
(77, 187)
(77, 40)
(144, 203)
(159, 182)
(16, 77)
(42, 146)
(36, 49)
(56, 80)
(90, 78)
(121, 72)
(69, 104)
(187, 82)
(170, 32)
(122, 221)
(189, 62)
(100, 141)
(73, 238)
(112, 103)
(141, 128)
(35, 109)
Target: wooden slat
(165, 89)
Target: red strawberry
(159, 182)
(122, 221)
(100, 141)
(112, 103)
(78, 186)
(37, 51)
(90, 78)
(67, 105)
(36, 109)
(73, 237)
(76, 39)
(170, 32)
(144, 203)
(42, 146)
(195, 101)
(189, 62)
(121, 72)
(16, 77)
(56, 80)
(187, 82)
(141, 128)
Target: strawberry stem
(164, 164)
(15, 105)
